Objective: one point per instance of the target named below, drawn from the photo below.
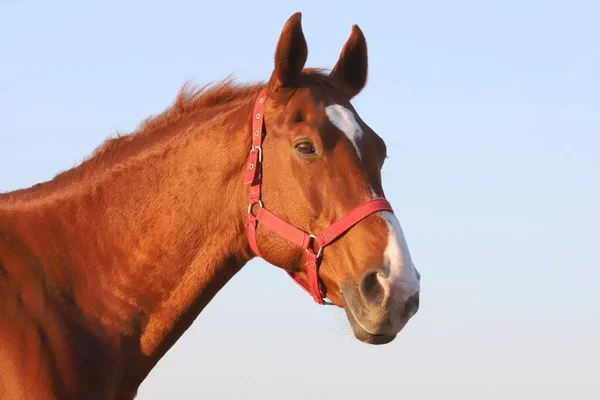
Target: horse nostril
(412, 305)
(371, 289)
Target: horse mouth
(362, 334)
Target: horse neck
(141, 248)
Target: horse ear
(352, 65)
(290, 54)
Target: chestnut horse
(104, 267)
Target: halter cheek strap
(300, 238)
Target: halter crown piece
(295, 235)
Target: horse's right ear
(290, 54)
(352, 65)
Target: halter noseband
(295, 235)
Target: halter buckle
(259, 149)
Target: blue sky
(491, 112)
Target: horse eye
(305, 148)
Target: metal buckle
(259, 152)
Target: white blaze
(345, 121)
(396, 259)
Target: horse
(105, 266)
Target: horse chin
(362, 334)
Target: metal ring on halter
(320, 251)
(260, 204)
(259, 152)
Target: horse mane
(200, 102)
(190, 101)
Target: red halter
(297, 236)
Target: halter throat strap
(258, 213)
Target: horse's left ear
(290, 54)
(352, 66)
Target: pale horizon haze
(491, 114)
